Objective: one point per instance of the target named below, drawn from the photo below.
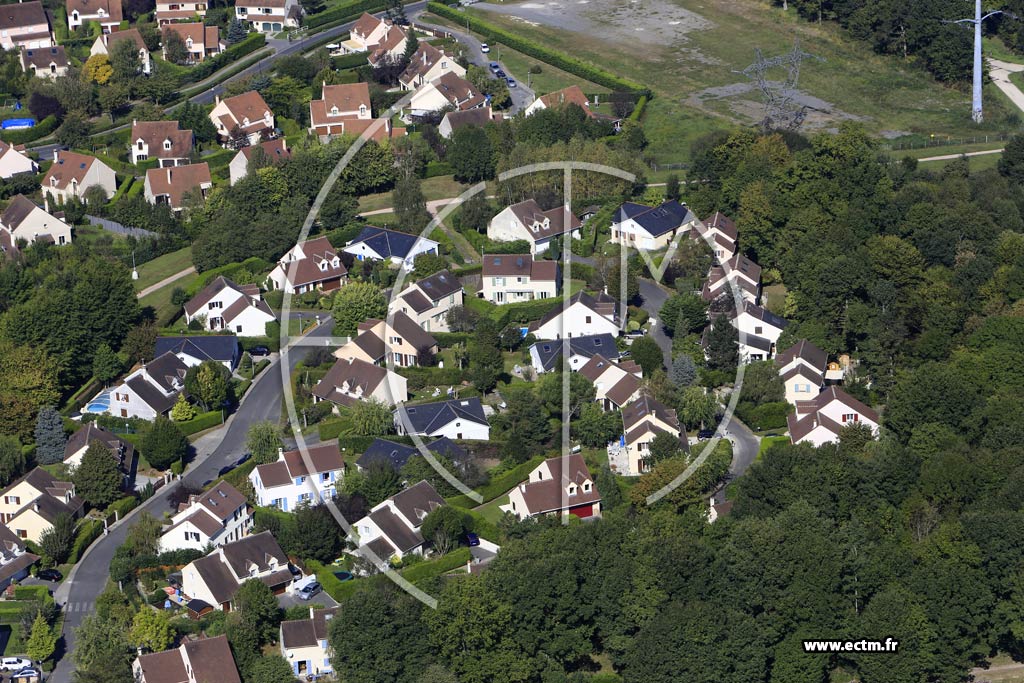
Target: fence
(114, 226)
(669, 167)
(945, 141)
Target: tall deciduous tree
(264, 441)
(56, 542)
(151, 630)
(316, 534)
(723, 351)
(471, 155)
(648, 355)
(270, 668)
(50, 438)
(164, 444)
(371, 417)
(97, 478)
(208, 384)
(355, 303)
(28, 380)
(257, 605)
(106, 365)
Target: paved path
(214, 451)
(999, 72)
(947, 157)
(166, 281)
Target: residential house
(546, 355)
(292, 481)
(274, 151)
(223, 305)
(391, 530)
(243, 115)
(561, 98)
(207, 660)
(448, 91)
(15, 561)
(650, 228)
(122, 451)
(558, 486)
(397, 455)
(105, 44)
(457, 418)
(427, 65)
(161, 140)
(802, 368)
(72, 174)
(615, 384)
(378, 36)
(212, 518)
(350, 380)
(151, 390)
(428, 301)
(642, 421)
(305, 643)
(216, 578)
(585, 315)
(345, 110)
(454, 120)
(821, 419)
(527, 221)
(269, 16)
(171, 185)
(391, 48)
(511, 278)
(192, 351)
(14, 160)
(168, 11)
(23, 220)
(759, 329)
(29, 505)
(24, 24)
(313, 265)
(719, 233)
(45, 62)
(200, 40)
(379, 244)
(106, 13)
(739, 271)
(399, 340)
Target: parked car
(309, 590)
(49, 575)
(26, 673)
(14, 664)
(500, 74)
(494, 67)
(296, 572)
(705, 434)
(511, 82)
(259, 351)
(472, 540)
(484, 48)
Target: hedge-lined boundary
(23, 136)
(88, 532)
(638, 110)
(200, 423)
(206, 68)
(577, 67)
(429, 569)
(342, 12)
(497, 486)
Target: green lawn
(767, 442)
(775, 297)
(490, 511)
(697, 87)
(440, 187)
(162, 267)
(942, 149)
(160, 300)
(976, 164)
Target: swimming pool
(99, 404)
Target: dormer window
(167, 145)
(140, 143)
(362, 109)
(572, 489)
(334, 111)
(586, 487)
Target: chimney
(168, 175)
(280, 452)
(56, 155)
(35, 506)
(135, 122)
(424, 57)
(311, 610)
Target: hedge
(343, 12)
(765, 416)
(208, 67)
(557, 59)
(348, 61)
(240, 475)
(420, 377)
(88, 532)
(123, 506)
(25, 135)
(638, 110)
(200, 422)
(335, 587)
(332, 429)
(499, 485)
(253, 265)
(438, 168)
(249, 343)
(474, 269)
(38, 592)
(431, 568)
(446, 340)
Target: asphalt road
(654, 297)
(79, 591)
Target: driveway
(87, 580)
(999, 72)
(291, 599)
(655, 296)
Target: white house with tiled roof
(45, 62)
(216, 578)
(338, 105)
(821, 419)
(428, 301)
(308, 266)
(24, 24)
(558, 486)
(29, 505)
(160, 140)
(290, 481)
(172, 185)
(201, 41)
(447, 91)
(615, 384)
(23, 219)
(428, 64)
(72, 174)
(223, 305)
(15, 560)
(392, 529)
(168, 11)
(151, 390)
(642, 420)
(650, 228)
(759, 329)
(211, 518)
(248, 112)
(305, 643)
(802, 368)
(275, 151)
(105, 44)
(585, 315)
(352, 379)
(201, 660)
(269, 16)
(512, 278)
(107, 13)
(527, 221)
(396, 339)
(719, 232)
(14, 160)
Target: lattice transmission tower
(781, 109)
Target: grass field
(440, 187)
(693, 50)
(160, 300)
(162, 267)
(979, 163)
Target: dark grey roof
(766, 316)
(656, 220)
(394, 529)
(416, 502)
(428, 417)
(387, 243)
(398, 454)
(588, 346)
(219, 347)
(149, 394)
(440, 285)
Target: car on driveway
(309, 590)
(501, 74)
(49, 575)
(484, 48)
(14, 664)
(511, 82)
(259, 351)
(26, 673)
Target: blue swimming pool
(99, 404)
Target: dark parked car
(495, 67)
(511, 82)
(473, 540)
(309, 590)
(705, 434)
(49, 575)
(259, 351)
(500, 74)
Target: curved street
(214, 451)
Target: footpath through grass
(163, 267)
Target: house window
(13, 500)
(588, 319)
(758, 330)
(140, 145)
(586, 487)
(396, 341)
(216, 304)
(22, 533)
(851, 417)
(167, 145)
(326, 476)
(238, 328)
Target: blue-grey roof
(398, 454)
(387, 243)
(429, 417)
(220, 347)
(587, 346)
(656, 220)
